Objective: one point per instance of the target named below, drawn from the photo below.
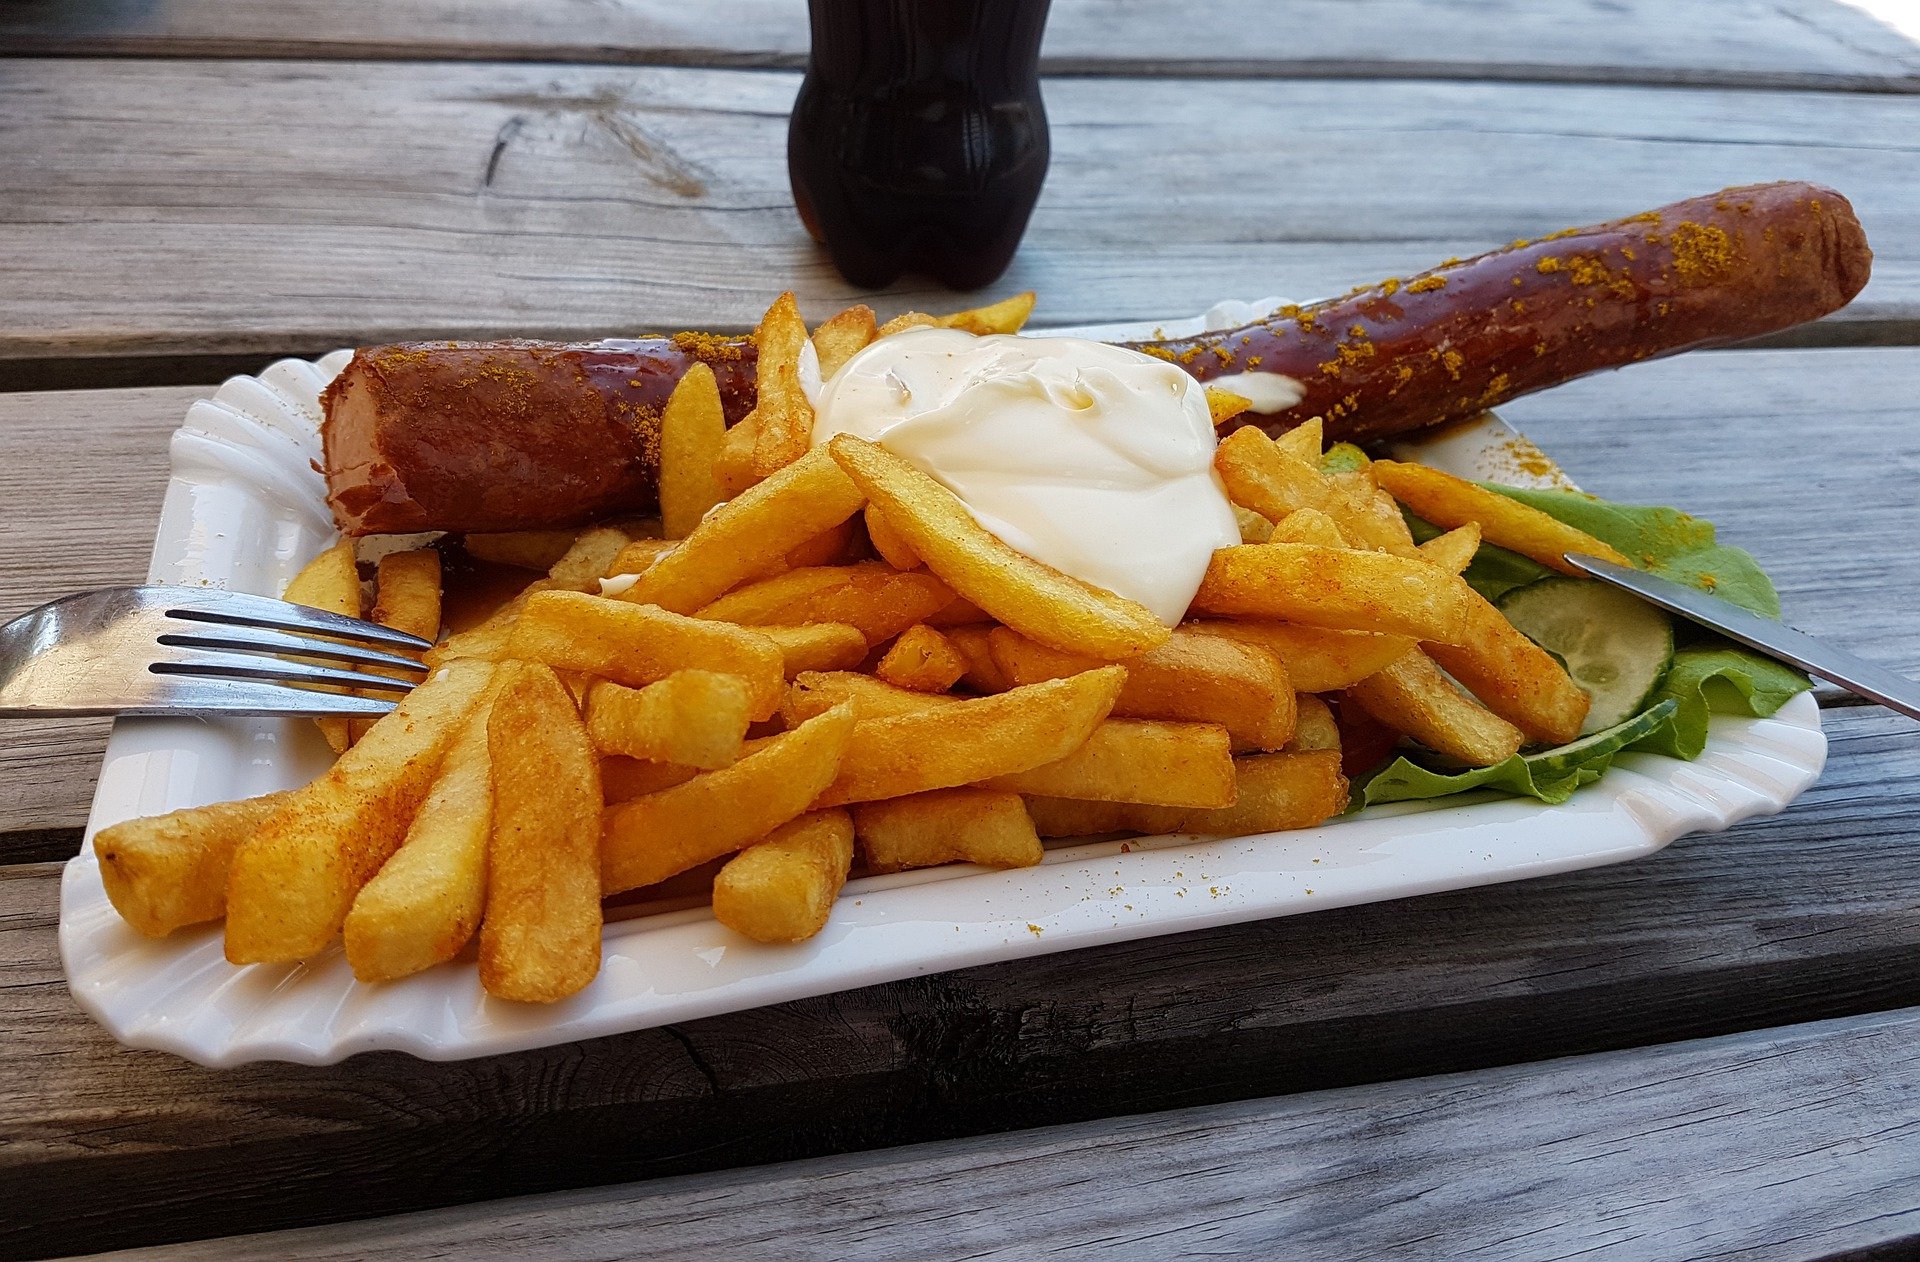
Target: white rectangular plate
(245, 509)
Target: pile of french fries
(817, 663)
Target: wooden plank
(1801, 1142)
(174, 207)
(1803, 457)
(1810, 915)
(1815, 43)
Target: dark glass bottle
(918, 141)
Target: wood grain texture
(241, 207)
(1801, 1142)
(1816, 43)
(1809, 915)
(1806, 458)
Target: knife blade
(1775, 639)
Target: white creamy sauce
(618, 585)
(1269, 392)
(1094, 459)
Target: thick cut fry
(540, 941)
(1307, 525)
(1315, 728)
(893, 549)
(406, 598)
(1414, 697)
(638, 645)
(1253, 527)
(1455, 549)
(1276, 792)
(1224, 405)
(1317, 659)
(638, 557)
(975, 643)
(588, 559)
(1514, 677)
(1304, 441)
(981, 826)
(292, 881)
(782, 889)
(958, 612)
(1193, 677)
(696, 718)
(733, 463)
(487, 641)
(691, 432)
(622, 778)
(751, 532)
(1447, 501)
(1037, 600)
(1008, 315)
(923, 660)
(1328, 587)
(904, 321)
(817, 646)
(782, 415)
(1138, 760)
(331, 581)
(528, 549)
(830, 547)
(1261, 475)
(170, 870)
(423, 905)
(843, 337)
(648, 839)
(967, 741)
(872, 596)
(816, 692)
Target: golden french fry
(816, 646)
(816, 692)
(424, 904)
(947, 826)
(1034, 599)
(1006, 316)
(904, 321)
(407, 592)
(486, 641)
(622, 778)
(1261, 475)
(1307, 525)
(871, 595)
(1447, 501)
(923, 660)
(637, 645)
(292, 882)
(331, 581)
(1224, 405)
(1317, 659)
(591, 556)
(975, 644)
(1193, 677)
(166, 871)
(647, 839)
(733, 463)
(843, 337)
(830, 547)
(637, 557)
(886, 541)
(1414, 697)
(959, 612)
(782, 889)
(1455, 549)
(1138, 760)
(782, 415)
(1253, 527)
(527, 549)
(1274, 793)
(1330, 587)
(750, 532)
(1304, 441)
(962, 742)
(540, 940)
(1514, 677)
(691, 432)
(1315, 727)
(696, 718)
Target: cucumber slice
(1562, 759)
(1615, 645)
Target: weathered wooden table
(1714, 1051)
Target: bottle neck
(863, 46)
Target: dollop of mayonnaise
(1094, 459)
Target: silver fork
(185, 650)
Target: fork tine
(204, 694)
(247, 640)
(239, 609)
(241, 666)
